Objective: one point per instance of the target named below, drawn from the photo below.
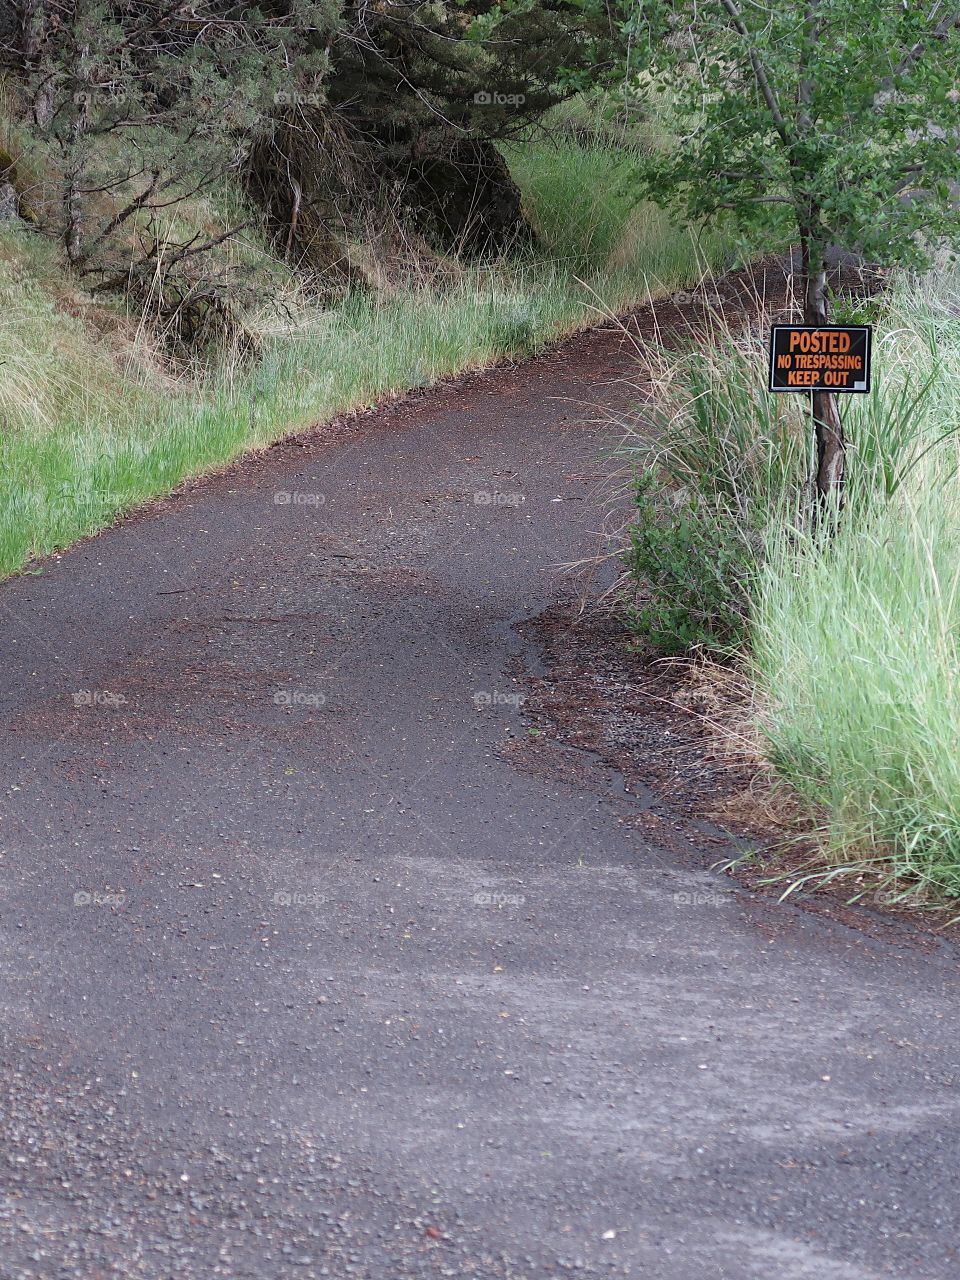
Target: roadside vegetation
(850, 636)
(818, 551)
(99, 413)
(856, 644)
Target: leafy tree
(833, 121)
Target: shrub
(727, 459)
(693, 568)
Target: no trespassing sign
(829, 357)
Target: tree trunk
(72, 202)
(831, 446)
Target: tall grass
(578, 185)
(851, 635)
(93, 422)
(856, 646)
(715, 460)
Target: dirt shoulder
(681, 732)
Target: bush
(694, 568)
(728, 458)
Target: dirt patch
(677, 731)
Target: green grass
(853, 639)
(578, 196)
(714, 459)
(856, 649)
(92, 424)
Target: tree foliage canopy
(837, 119)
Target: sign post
(826, 360)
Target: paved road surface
(313, 968)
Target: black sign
(831, 357)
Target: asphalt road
(316, 963)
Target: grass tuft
(852, 640)
(856, 647)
